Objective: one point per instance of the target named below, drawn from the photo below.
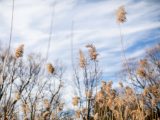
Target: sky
(94, 21)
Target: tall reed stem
(123, 52)
(10, 41)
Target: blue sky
(94, 22)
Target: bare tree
(26, 90)
(145, 76)
(86, 79)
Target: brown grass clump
(50, 68)
(121, 15)
(19, 51)
(128, 105)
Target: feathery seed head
(103, 84)
(141, 72)
(78, 113)
(88, 94)
(108, 87)
(17, 96)
(148, 112)
(26, 118)
(92, 51)
(143, 62)
(19, 51)
(84, 110)
(121, 15)
(25, 108)
(82, 60)
(109, 103)
(96, 116)
(75, 100)
(45, 114)
(100, 96)
(46, 104)
(120, 84)
(154, 102)
(60, 107)
(50, 68)
(145, 92)
(129, 91)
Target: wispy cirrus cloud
(94, 22)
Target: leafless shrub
(25, 87)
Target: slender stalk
(51, 29)
(72, 35)
(10, 41)
(123, 51)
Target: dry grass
(27, 93)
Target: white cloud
(94, 22)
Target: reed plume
(92, 51)
(121, 18)
(143, 62)
(88, 94)
(25, 118)
(120, 84)
(96, 116)
(17, 96)
(60, 107)
(82, 60)
(75, 100)
(45, 114)
(121, 15)
(78, 113)
(46, 104)
(103, 84)
(141, 72)
(50, 68)
(25, 108)
(19, 51)
(100, 96)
